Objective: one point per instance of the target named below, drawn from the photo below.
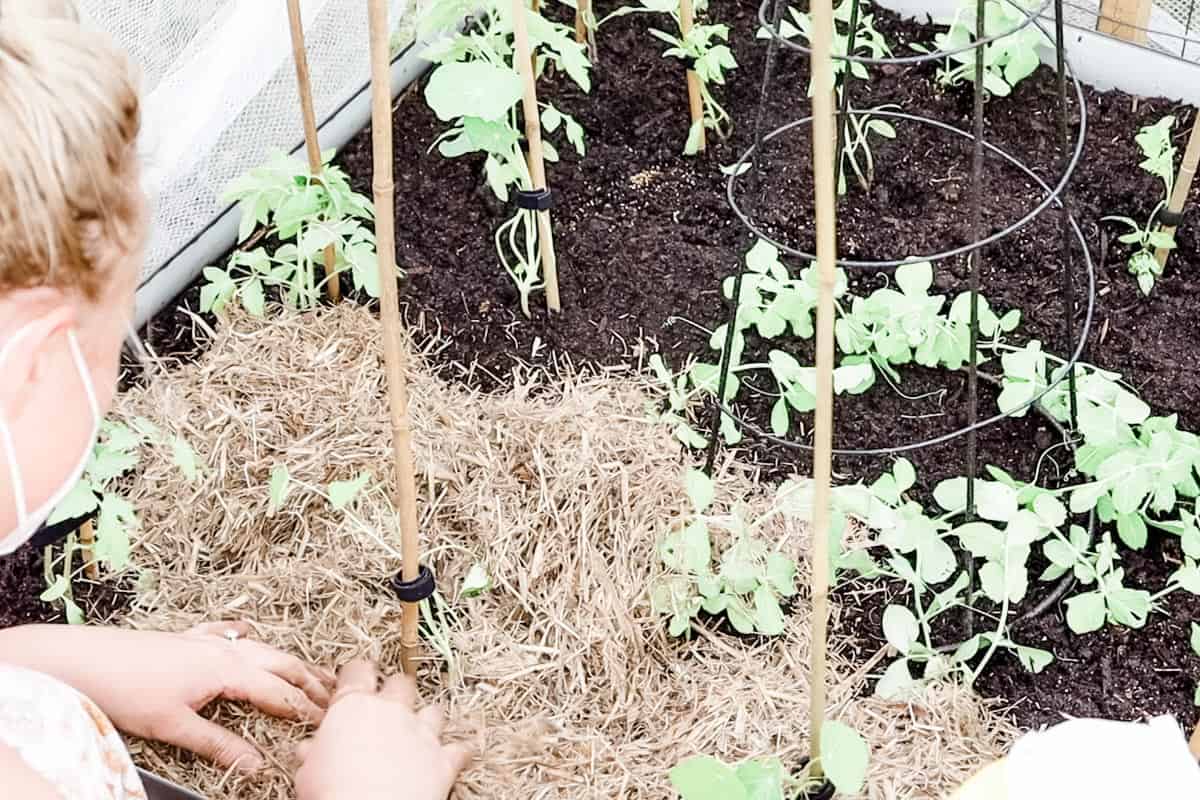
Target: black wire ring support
(1056, 196)
(934, 55)
(1067, 366)
(1051, 197)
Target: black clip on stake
(689, 63)
(1169, 218)
(417, 589)
(534, 199)
(823, 791)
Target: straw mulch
(560, 675)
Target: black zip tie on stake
(417, 589)
(535, 199)
(718, 410)
(1170, 219)
(689, 62)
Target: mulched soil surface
(645, 236)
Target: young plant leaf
(900, 628)
(700, 490)
(342, 493)
(706, 778)
(1086, 612)
(279, 487)
(844, 756)
(476, 581)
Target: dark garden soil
(21, 583)
(645, 237)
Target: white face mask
(28, 521)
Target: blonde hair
(70, 204)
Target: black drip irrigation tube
(1055, 196)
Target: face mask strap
(81, 364)
(18, 486)
(6, 438)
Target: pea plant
(748, 584)
(844, 758)
(476, 87)
(1158, 159)
(857, 155)
(1006, 61)
(307, 214)
(704, 50)
(876, 334)
(98, 495)
(1132, 472)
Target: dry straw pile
(560, 675)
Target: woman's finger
(401, 689)
(292, 670)
(458, 756)
(303, 748)
(357, 676)
(272, 694)
(213, 742)
(433, 718)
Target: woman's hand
(152, 684)
(374, 745)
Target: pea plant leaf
(185, 458)
(342, 493)
(278, 488)
(844, 756)
(476, 581)
(700, 489)
(900, 627)
(1086, 612)
(472, 89)
(706, 778)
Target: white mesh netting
(219, 91)
(1172, 28)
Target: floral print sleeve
(65, 738)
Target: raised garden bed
(645, 238)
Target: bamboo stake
(405, 491)
(1194, 742)
(695, 99)
(87, 541)
(311, 143)
(1183, 184)
(537, 164)
(826, 224)
(581, 27)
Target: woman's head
(72, 226)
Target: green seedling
(307, 214)
(476, 88)
(704, 48)
(1006, 61)
(1158, 159)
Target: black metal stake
(843, 118)
(718, 411)
(975, 258)
(1064, 143)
